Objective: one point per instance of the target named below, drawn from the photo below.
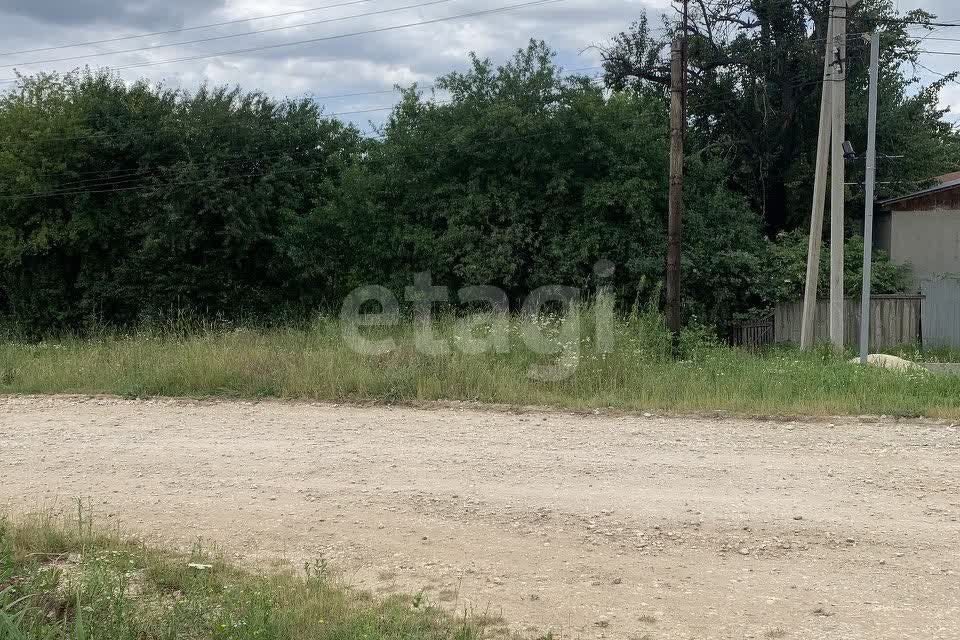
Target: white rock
(885, 361)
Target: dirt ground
(591, 526)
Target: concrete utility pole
(838, 14)
(678, 68)
(819, 193)
(868, 197)
(833, 108)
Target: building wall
(929, 241)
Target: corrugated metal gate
(940, 313)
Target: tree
(527, 177)
(754, 86)
(122, 202)
(784, 269)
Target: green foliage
(754, 90)
(524, 179)
(93, 585)
(227, 206)
(157, 200)
(639, 372)
(786, 269)
(528, 178)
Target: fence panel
(754, 334)
(894, 321)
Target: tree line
(122, 203)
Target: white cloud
(349, 65)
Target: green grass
(61, 579)
(315, 363)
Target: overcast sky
(361, 63)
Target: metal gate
(940, 313)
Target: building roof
(947, 177)
(945, 183)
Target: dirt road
(592, 526)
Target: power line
(140, 176)
(225, 37)
(99, 190)
(939, 39)
(167, 184)
(327, 38)
(129, 134)
(121, 179)
(134, 180)
(426, 87)
(126, 176)
(182, 29)
(108, 177)
(931, 24)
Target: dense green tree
(786, 269)
(526, 177)
(754, 88)
(120, 202)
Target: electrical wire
(183, 29)
(940, 39)
(340, 36)
(140, 187)
(127, 180)
(225, 37)
(261, 158)
(119, 181)
(126, 175)
(427, 87)
(129, 134)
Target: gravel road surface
(590, 526)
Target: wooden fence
(894, 321)
(753, 334)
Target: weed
(637, 373)
(64, 579)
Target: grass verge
(637, 373)
(60, 580)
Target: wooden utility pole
(678, 64)
(819, 193)
(838, 14)
(868, 197)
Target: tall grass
(64, 579)
(314, 362)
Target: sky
(398, 51)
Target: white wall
(929, 241)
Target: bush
(786, 266)
(156, 199)
(226, 205)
